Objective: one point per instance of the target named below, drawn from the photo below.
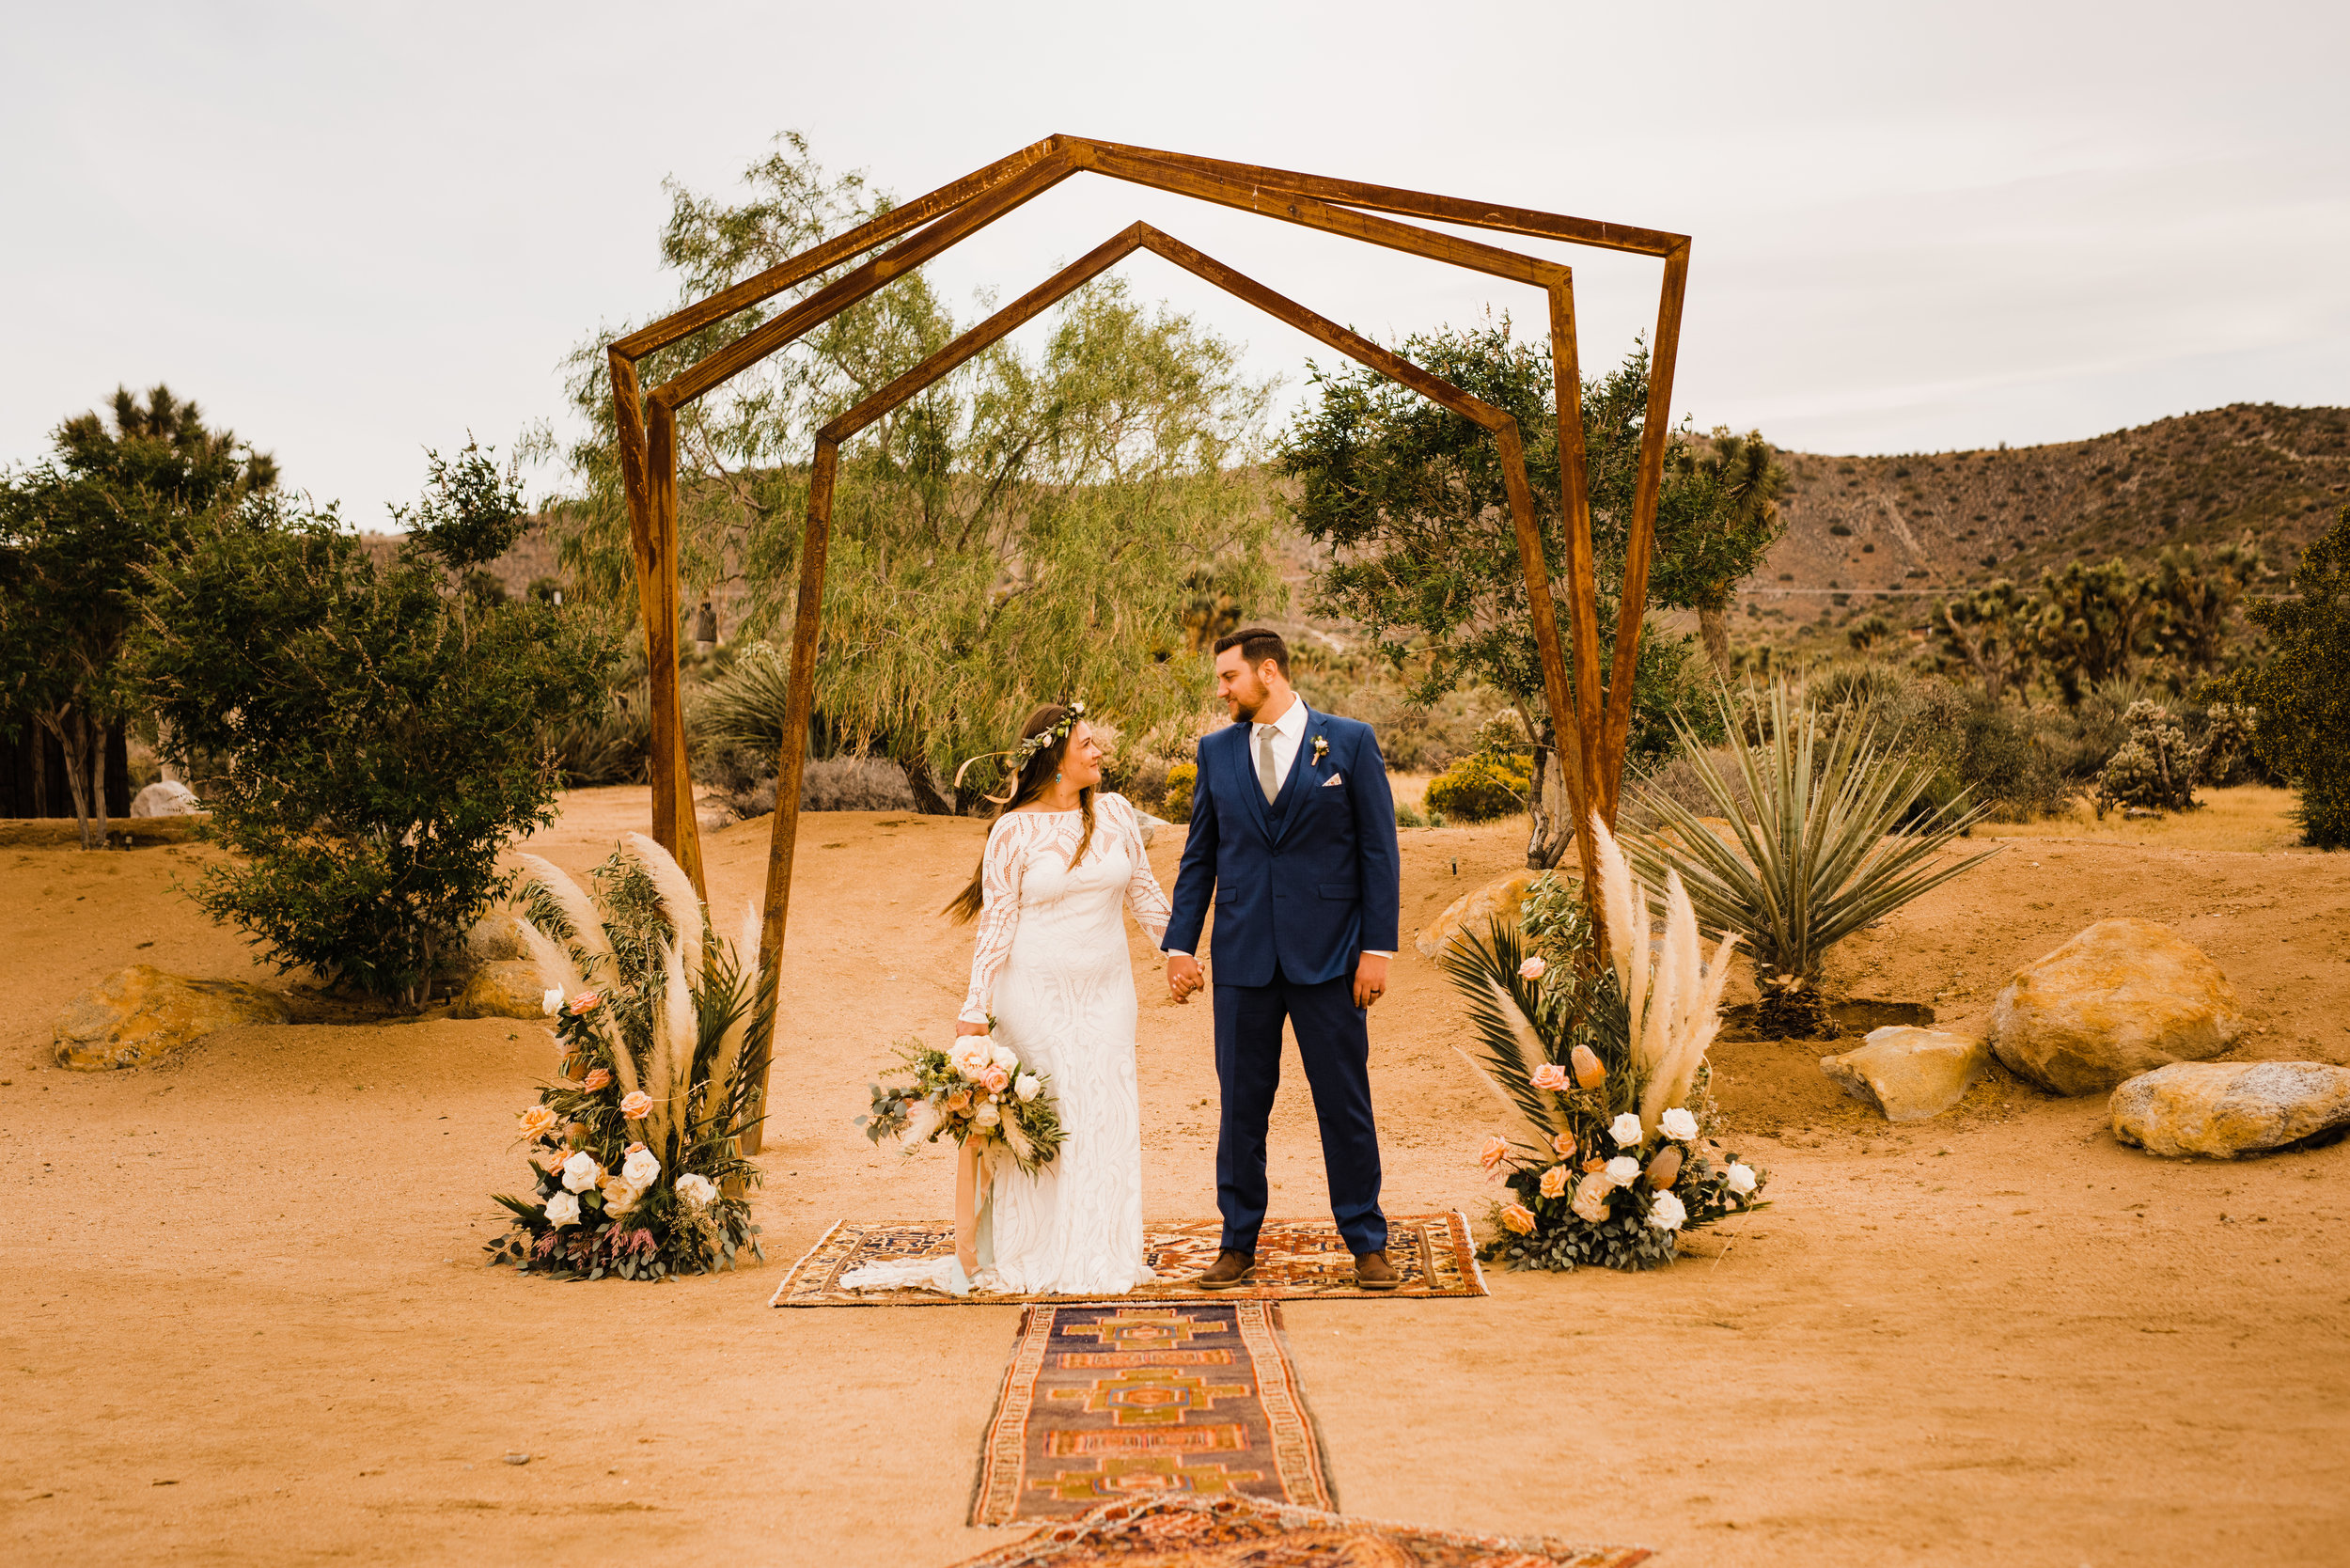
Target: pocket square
(1333, 781)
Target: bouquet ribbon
(968, 1181)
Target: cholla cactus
(2157, 768)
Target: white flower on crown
(1026, 1087)
(562, 1209)
(640, 1167)
(580, 1171)
(1625, 1130)
(1623, 1170)
(1741, 1177)
(1666, 1212)
(1678, 1123)
(696, 1189)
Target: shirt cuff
(1373, 953)
(1175, 952)
(966, 1017)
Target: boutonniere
(1321, 748)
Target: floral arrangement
(978, 1091)
(635, 1150)
(1602, 1069)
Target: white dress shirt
(1288, 733)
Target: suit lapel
(1244, 771)
(1299, 772)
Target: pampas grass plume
(589, 940)
(679, 905)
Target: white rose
(562, 1209)
(619, 1196)
(986, 1116)
(696, 1190)
(1623, 1170)
(1679, 1124)
(1741, 1177)
(1591, 1198)
(640, 1169)
(551, 1002)
(580, 1171)
(1026, 1087)
(1625, 1130)
(1665, 1212)
(1002, 1056)
(972, 1057)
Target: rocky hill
(1889, 534)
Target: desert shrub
(1408, 815)
(1678, 778)
(1481, 788)
(1176, 801)
(385, 735)
(611, 746)
(743, 776)
(2300, 689)
(2158, 766)
(853, 784)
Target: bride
(1051, 965)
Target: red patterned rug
(1296, 1260)
(1111, 1401)
(1235, 1532)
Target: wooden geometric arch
(1593, 725)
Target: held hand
(964, 1026)
(1370, 980)
(1182, 977)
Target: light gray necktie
(1268, 778)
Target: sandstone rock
(2120, 998)
(509, 988)
(1910, 1073)
(2227, 1108)
(1473, 912)
(1150, 826)
(142, 1014)
(166, 798)
(495, 938)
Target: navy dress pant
(1333, 1043)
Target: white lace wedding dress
(1051, 964)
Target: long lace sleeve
(1144, 895)
(999, 911)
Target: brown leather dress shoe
(1229, 1269)
(1372, 1272)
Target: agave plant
(1820, 853)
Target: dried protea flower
(1588, 1071)
(1665, 1169)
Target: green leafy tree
(2300, 687)
(380, 735)
(1036, 525)
(1411, 498)
(75, 531)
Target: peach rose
(959, 1102)
(1518, 1217)
(637, 1105)
(537, 1119)
(1555, 1181)
(1563, 1146)
(585, 1003)
(1591, 1198)
(1497, 1150)
(995, 1080)
(1532, 968)
(1594, 1166)
(597, 1080)
(1551, 1076)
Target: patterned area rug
(1296, 1260)
(1233, 1532)
(1113, 1401)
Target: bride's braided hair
(1043, 743)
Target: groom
(1293, 831)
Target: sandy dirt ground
(247, 1319)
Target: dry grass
(2251, 820)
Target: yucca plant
(1820, 852)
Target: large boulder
(142, 1014)
(1910, 1073)
(1471, 913)
(510, 988)
(495, 938)
(165, 798)
(2227, 1108)
(2122, 997)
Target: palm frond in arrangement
(1822, 852)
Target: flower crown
(1046, 740)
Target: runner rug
(1295, 1260)
(1113, 1400)
(1233, 1532)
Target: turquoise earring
(1056, 776)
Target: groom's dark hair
(1256, 644)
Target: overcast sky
(355, 232)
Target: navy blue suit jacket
(1310, 881)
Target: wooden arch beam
(799, 705)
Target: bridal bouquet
(634, 1157)
(978, 1091)
(1604, 1077)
